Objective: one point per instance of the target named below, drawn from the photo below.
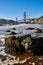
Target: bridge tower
(16, 19)
(24, 16)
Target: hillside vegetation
(40, 20)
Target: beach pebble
(40, 58)
(32, 63)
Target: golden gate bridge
(26, 20)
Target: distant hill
(11, 22)
(40, 20)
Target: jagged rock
(17, 44)
(37, 46)
(25, 42)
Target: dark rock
(14, 28)
(37, 46)
(13, 33)
(12, 58)
(38, 31)
(20, 49)
(8, 31)
(30, 29)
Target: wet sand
(21, 59)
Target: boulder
(13, 33)
(17, 44)
(38, 31)
(30, 29)
(37, 46)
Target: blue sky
(10, 9)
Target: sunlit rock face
(26, 42)
(17, 44)
(40, 20)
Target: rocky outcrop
(25, 44)
(37, 45)
(18, 44)
(40, 20)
